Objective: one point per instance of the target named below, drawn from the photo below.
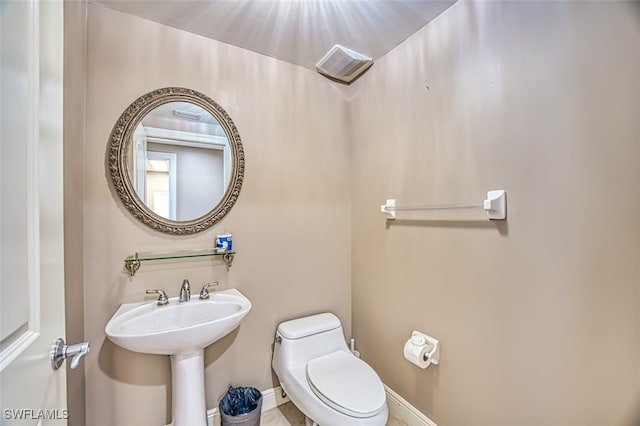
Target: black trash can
(241, 406)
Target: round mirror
(176, 160)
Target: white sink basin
(181, 330)
(177, 328)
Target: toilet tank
(303, 339)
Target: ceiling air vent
(343, 64)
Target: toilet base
(309, 422)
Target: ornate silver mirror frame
(119, 143)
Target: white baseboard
(271, 398)
(398, 408)
(401, 409)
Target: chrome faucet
(185, 291)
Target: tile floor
(288, 415)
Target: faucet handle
(204, 293)
(162, 298)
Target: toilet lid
(347, 384)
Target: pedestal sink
(181, 330)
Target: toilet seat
(347, 384)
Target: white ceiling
(295, 31)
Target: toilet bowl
(323, 378)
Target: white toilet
(323, 378)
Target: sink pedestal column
(189, 406)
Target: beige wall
(291, 224)
(75, 69)
(539, 316)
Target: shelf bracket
(132, 264)
(227, 258)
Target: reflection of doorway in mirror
(203, 159)
(139, 161)
(199, 178)
(161, 183)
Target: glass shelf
(132, 263)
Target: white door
(31, 212)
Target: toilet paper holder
(432, 354)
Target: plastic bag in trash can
(240, 400)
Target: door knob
(60, 352)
